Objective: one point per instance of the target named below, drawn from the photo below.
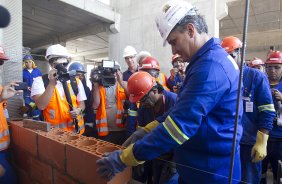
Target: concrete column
(11, 40)
(137, 27)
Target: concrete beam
(262, 40)
(74, 34)
(99, 9)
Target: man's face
(28, 64)
(274, 71)
(80, 75)
(55, 61)
(131, 63)
(150, 99)
(181, 43)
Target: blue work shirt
(276, 131)
(126, 75)
(200, 126)
(28, 78)
(259, 110)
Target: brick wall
(59, 157)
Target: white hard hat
(56, 51)
(129, 51)
(172, 12)
(142, 54)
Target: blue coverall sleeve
(171, 83)
(200, 93)
(263, 98)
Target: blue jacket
(177, 81)
(257, 92)
(201, 124)
(28, 78)
(276, 131)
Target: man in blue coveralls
(200, 126)
(258, 115)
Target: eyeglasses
(273, 67)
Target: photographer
(108, 101)
(50, 96)
(177, 73)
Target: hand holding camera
(52, 76)
(276, 94)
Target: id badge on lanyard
(248, 104)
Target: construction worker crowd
(177, 129)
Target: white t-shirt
(38, 89)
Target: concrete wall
(137, 27)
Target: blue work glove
(110, 165)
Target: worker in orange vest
(7, 174)
(49, 94)
(108, 102)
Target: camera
(63, 74)
(104, 73)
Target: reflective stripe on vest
(161, 79)
(4, 133)
(4, 145)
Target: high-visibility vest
(57, 112)
(162, 80)
(101, 116)
(4, 130)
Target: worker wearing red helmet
(143, 88)
(152, 66)
(177, 74)
(257, 63)
(7, 174)
(273, 68)
(257, 117)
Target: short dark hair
(197, 20)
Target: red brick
(21, 158)
(60, 178)
(25, 138)
(41, 172)
(82, 166)
(23, 177)
(51, 151)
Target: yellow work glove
(140, 133)
(259, 149)
(32, 105)
(128, 158)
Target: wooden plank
(36, 125)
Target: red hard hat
(274, 58)
(2, 54)
(256, 62)
(150, 63)
(139, 84)
(174, 57)
(231, 43)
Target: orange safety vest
(4, 130)
(162, 80)
(57, 112)
(101, 116)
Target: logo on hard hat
(165, 8)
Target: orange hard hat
(231, 43)
(274, 58)
(174, 57)
(139, 84)
(2, 54)
(256, 62)
(150, 63)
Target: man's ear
(190, 29)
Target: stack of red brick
(59, 157)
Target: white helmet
(172, 12)
(56, 51)
(129, 51)
(142, 54)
